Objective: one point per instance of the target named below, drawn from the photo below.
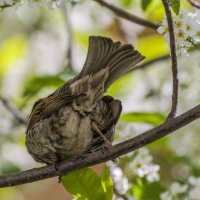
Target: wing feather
(44, 108)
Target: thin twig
(16, 114)
(127, 146)
(150, 62)
(174, 59)
(66, 11)
(123, 14)
(194, 3)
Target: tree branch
(174, 59)
(16, 114)
(128, 16)
(194, 3)
(137, 142)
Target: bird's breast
(74, 132)
(65, 133)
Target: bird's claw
(59, 172)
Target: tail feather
(122, 68)
(116, 58)
(120, 57)
(111, 48)
(103, 52)
(99, 53)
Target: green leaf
(107, 183)
(152, 190)
(155, 11)
(74, 2)
(11, 50)
(143, 117)
(7, 167)
(175, 4)
(84, 184)
(157, 46)
(37, 83)
(126, 3)
(34, 85)
(145, 4)
(136, 190)
(117, 89)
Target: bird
(77, 118)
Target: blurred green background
(40, 49)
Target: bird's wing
(45, 107)
(106, 116)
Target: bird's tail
(116, 57)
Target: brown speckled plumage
(60, 125)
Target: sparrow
(77, 118)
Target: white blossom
(194, 193)
(174, 191)
(189, 26)
(166, 196)
(177, 188)
(195, 187)
(120, 181)
(50, 4)
(188, 191)
(143, 167)
(186, 31)
(194, 181)
(197, 36)
(152, 174)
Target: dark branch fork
(137, 142)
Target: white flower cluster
(175, 190)
(186, 30)
(143, 166)
(190, 191)
(194, 192)
(120, 181)
(50, 4)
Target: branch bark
(173, 58)
(125, 15)
(36, 174)
(194, 4)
